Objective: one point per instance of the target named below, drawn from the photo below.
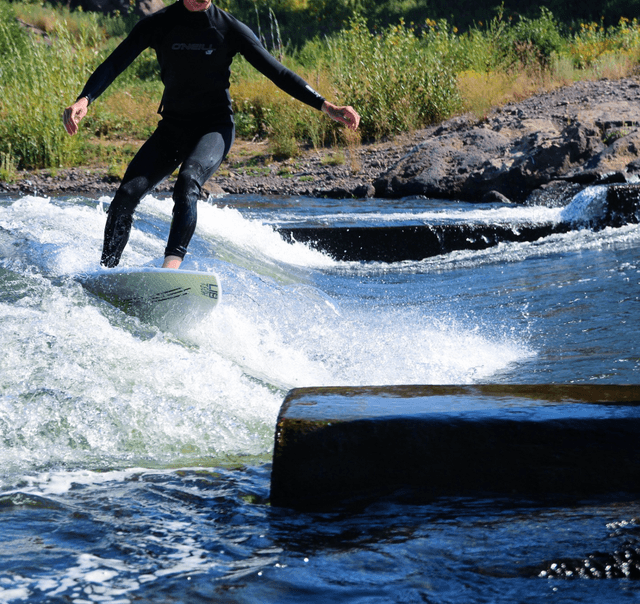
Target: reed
(35, 80)
(263, 110)
(39, 76)
(8, 170)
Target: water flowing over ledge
(595, 207)
(135, 463)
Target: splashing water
(84, 383)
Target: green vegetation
(399, 76)
(302, 20)
(33, 85)
(7, 166)
(40, 75)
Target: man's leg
(203, 160)
(155, 160)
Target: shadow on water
(209, 535)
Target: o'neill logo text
(209, 290)
(206, 47)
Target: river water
(135, 464)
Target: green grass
(40, 76)
(400, 79)
(8, 171)
(35, 79)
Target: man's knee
(189, 183)
(127, 198)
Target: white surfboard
(167, 298)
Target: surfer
(195, 42)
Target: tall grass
(39, 76)
(264, 111)
(374, 72)
(541, 54)
(80, 25)
(35, 79)
(594, 43)
(405, 77)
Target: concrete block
(398, 242)
(411, 242)
(338, 444)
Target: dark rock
(412, 242)
(495, 197)
(613, 178)
(520, 149)
(212, 188)
(359, 191)
(623, 206)
(471, 164)
(613, 206)
(582, 177)
(336, 445)
(556, 194)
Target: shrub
(533, 41)
(593, 40)
(399, 79)
(263, 110)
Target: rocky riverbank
(540, 150)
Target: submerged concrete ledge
(395, 243)
(338, 444)
(411, 242)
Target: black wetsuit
(195, 51)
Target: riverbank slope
(556, 141)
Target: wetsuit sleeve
(118, 61)
(281, 76)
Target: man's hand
(345, 115)
(73, 114)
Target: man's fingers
(351, 117)
(69, 124)
(71, 117)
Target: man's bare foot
(172, 262)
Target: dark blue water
(134, 464)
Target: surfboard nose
(167, 298)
